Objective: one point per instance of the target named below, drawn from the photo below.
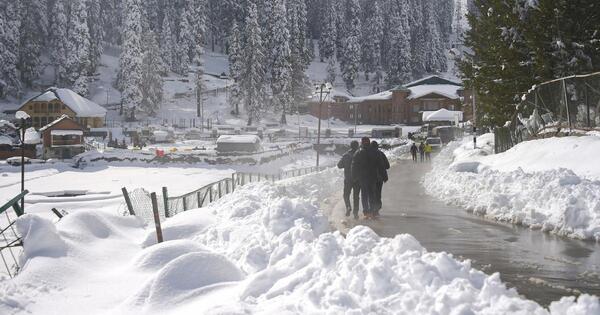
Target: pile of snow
(550, 184)
(442, 115)
(262, 250)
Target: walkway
(541, 266)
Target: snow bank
(262, 250)
(549, 184)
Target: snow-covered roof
(432, 80)
(78, 104)
(6, 123)
(442, 115)
(66, 132)
(59, 119)
(5, 140)
(238, 139)
(445, 90)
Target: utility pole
(323, 88)
(474, 119)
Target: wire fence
(565, 106)
(10, 241)
(139, 201)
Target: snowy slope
(265, 249)
(550, 184)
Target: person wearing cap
(364, 172)
(382, 176)
(350, 186)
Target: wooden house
(62, 138)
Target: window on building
(431, 105)
(43, 121)
(416, 108)
(36, 122)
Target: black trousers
(377, 203)
(414, 156)
(354, 188)
(367, 195)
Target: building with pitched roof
(55, 102)
(401, 105)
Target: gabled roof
(61, 118)
(78, 104)
(432, 80)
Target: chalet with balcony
(62, 138)
(54, 103)
(401, 105)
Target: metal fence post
(184, 204)
(128, 201)
(210, 194)
(220, 190)
(159, 235)
(166, 202)
(233, 182)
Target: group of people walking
(365, 171)
(423, 150)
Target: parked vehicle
(16, 161)
(435, 143)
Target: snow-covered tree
(198, 21)
(372, 36)
(185, 41)
(329, 31)
(10, 24)
(253, 61)
(78, 46)
(33, 33)
(399, 56)
(96, 31)
(331, 69)
(168, 43)
(130, 62)
(435, 52)
(235, 67)
(281, 67)
(300, 55)
(151, 81)
(351, 54)
(59, 41)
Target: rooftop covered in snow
(77, 103)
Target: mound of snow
(264, 249)
(548, 184)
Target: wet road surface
(541, 266)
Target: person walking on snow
(350, 186)
(428, 150)
(422, 151)
(382, 176)
(413, 152)
(364, 171)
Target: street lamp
(24, 121)
(323, 90)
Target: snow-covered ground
(265, 249)
(550, 184)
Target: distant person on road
(413, 151)
(382, 176)
(364, 171)
(349, 184)
(428, 150)
(422, 151)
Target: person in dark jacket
(364, 171)
(422, 151)
(382, 176)
(349, 184)
(413, 152)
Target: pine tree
(167, 44)
(329, 33)
(96, 31)
(9, 45)
(235, 67)
(300, 57)
(399, 58)
(350, 61)
(281, 67)
(185, 41)
(130, 62)
(417, 42)
(253, 61)
(199, 29)
(78, 47)
(331, 70)
(372, 36)
(34, 26)
(151, 81)
(59, 42)
(435, 56)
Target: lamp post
(24, 121)
(474, 119)
(322, 90)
